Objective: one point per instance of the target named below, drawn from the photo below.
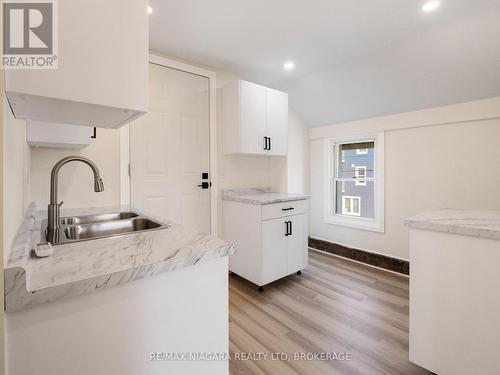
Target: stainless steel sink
(109, 228)
(89, 227)
(74, 220)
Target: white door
(252, 117)
(274, 249)
(277, 121)
(170, 150)
(297, 243)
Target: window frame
(331, 156)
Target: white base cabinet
(270, 240)
(454, 303)
(118, 330)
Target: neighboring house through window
(351, 205)
(355, 182)
(360, 175)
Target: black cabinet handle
(287, 209)
(290, 233)
(286, 228)
(267, 143)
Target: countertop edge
(17, 297)
(470, 223)
(263, 203)
(17, 272)
(260, 196)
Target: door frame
(158, 59)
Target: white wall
(16, 159)
(298, 155)
(438, 158)
(27, 174)
(3, 108)
(124, 164)
(291, 173)
(76, 183)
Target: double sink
(89, 227)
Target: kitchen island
(116, 305)
(455, 291)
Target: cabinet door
(297, 244)
(94, 85)
(277, 121)
(252, 118)
(274, 250)
(47, 134)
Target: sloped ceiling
(354, 59)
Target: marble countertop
(83, 267)
(260, 196)
(475, 223)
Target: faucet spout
(53, 222)
(98, 184)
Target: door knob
(204, 185)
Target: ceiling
(354, 59)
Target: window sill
(356, 223)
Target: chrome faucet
(53, 220)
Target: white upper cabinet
(102, 74)
(255, 119)
(252, 118)
(277, 121)
(49, 134)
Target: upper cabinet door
(277, 121)
(252, 118)
(255, 119)
(102, 74)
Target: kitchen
(269, 206)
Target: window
(354, 183)
(351, 206)
(354, 193)
(360, 175)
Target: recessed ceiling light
(150, 9)
(289, 65)
(431, 5)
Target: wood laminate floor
(335, 306)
